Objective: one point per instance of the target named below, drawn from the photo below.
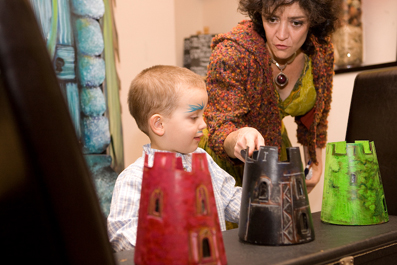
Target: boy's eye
(194, 117)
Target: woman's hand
(241, 139)
(317, 170)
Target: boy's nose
(203, 125)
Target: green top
(299, 102)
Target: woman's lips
(281, 47)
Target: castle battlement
(169, 161)
(267, 157)
(358, 147)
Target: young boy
(167, 103)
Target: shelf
(364, 67)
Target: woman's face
(286, 30)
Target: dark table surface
(332, 242)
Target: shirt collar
(186, 158)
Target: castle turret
(274, 207)
(353, 191)
(178, 220)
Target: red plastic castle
(178, 220)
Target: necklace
(281, 79)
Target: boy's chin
(188, 150)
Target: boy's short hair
(155, 90)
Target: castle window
(202, 206)
(156, 203)
(299, 187)
(384, 204)
(157, 206)
(206, 248)
(206, 245)
(263, 192)
(353, 179)
(304, 225)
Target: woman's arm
(317, 170)
(228, 102)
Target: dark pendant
(281, 79)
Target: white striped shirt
(123, 216)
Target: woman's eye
(297, 23)
(272, 20)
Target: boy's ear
(156, 124)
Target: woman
(278, 63)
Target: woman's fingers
(248, 138)
(316, 176)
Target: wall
(188, 21)
(146, 32)
(380, 24)
(152, 32)
(221, 15)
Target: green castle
(353, 191)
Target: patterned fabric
(303, 95)
(241, 91)
(123, 217)
(299, 102)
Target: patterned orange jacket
(242, 94)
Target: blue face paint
(193, 108)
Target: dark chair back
(373, 117)
(49, 211)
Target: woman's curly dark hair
(323, 16)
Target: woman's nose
(282, 31)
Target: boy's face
(183, 129)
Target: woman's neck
(284, 61)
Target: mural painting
(81, 40)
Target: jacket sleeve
(322, 127)
(228, 93)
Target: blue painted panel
(65, 32)
(91, 71)
(72, 95)
(89, 37)
(90, 8)
(92, 101)
(104, 179)
(96, 136)
(64, 62)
